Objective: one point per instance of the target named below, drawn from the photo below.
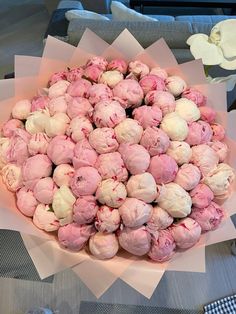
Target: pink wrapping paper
(143, 275)
(226, 231)
(78, 58)
(118, 265)
(164, 58)
(27, 66)
(7, 89)
(196, 252)
(57, 56)
(104, 278)
(124, 40)
(92, 43)
(44, 252)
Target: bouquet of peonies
(117, 153)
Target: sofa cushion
(203, 28)
(204, 18)
(84, 14)
(121, 13)
(175, 33)
(164, 18)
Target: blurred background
(22, 27)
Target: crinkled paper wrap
(31, 75)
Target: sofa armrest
(58, 24)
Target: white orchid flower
(217, 49)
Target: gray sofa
(174, 29)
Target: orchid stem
(206, 69)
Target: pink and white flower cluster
(117, 155)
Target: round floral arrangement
(117, 154)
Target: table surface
(175, 290)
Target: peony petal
(228, 38)
(208, 52)
(228, 64)
(229, 80)
(192, 38)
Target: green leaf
(206, 69)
